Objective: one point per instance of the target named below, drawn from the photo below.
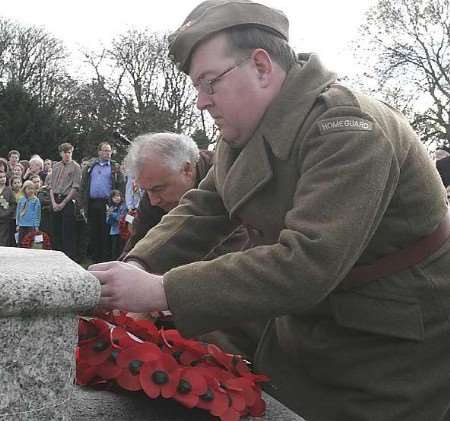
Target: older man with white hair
(165, 165)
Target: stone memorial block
(41, 292)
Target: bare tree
(32, 58)
(6, 40)
(153, 93)
(405, 46)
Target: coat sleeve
(13, 205)
(188, 232)
(346, 182)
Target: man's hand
(128, 288)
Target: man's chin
(234, 143)
(168, 208)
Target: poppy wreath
(137, 356)
(28, 240)
(124, 230)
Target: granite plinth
(40, 294)
(100, 405)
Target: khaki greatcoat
(320, 197)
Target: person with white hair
(164, 165)
(36, 167)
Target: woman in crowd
(18, 171)
(4, 167)
(36, 168)
(7, 210)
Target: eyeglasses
(206, 86)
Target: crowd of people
(93, 211)
(76, 207)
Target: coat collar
(290, 108)
(240, 174)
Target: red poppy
(109, 369)
(215, 399)
(131, 361)
(187, 352)
(120, 339)
(191, 385)
(221, 358)
(258, 409)
(95, 350)
(142, 328)
(160, 377)
(87, 331)
(237, 391)
(84, 373)
(244, 388)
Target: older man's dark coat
(330, 179)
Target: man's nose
(203, 100)
(154, 198)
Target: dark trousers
(82, 240)
(98, 231)
(116, 246)
(4, 233)
(64, 228)
(12, 231)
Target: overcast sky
(322, 26)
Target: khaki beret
(212, 16)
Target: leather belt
(397, 261)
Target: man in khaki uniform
(348, 215)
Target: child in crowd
(16, 186)
(115, 209)
(47, 167)
(28, 213)
(7, 211)
(18, 171)
(43, 194)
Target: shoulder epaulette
(336, 95)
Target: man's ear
(188, 169)
(263, 65)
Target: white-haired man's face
(163, 185)
(35, 167)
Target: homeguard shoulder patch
(342, 124)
